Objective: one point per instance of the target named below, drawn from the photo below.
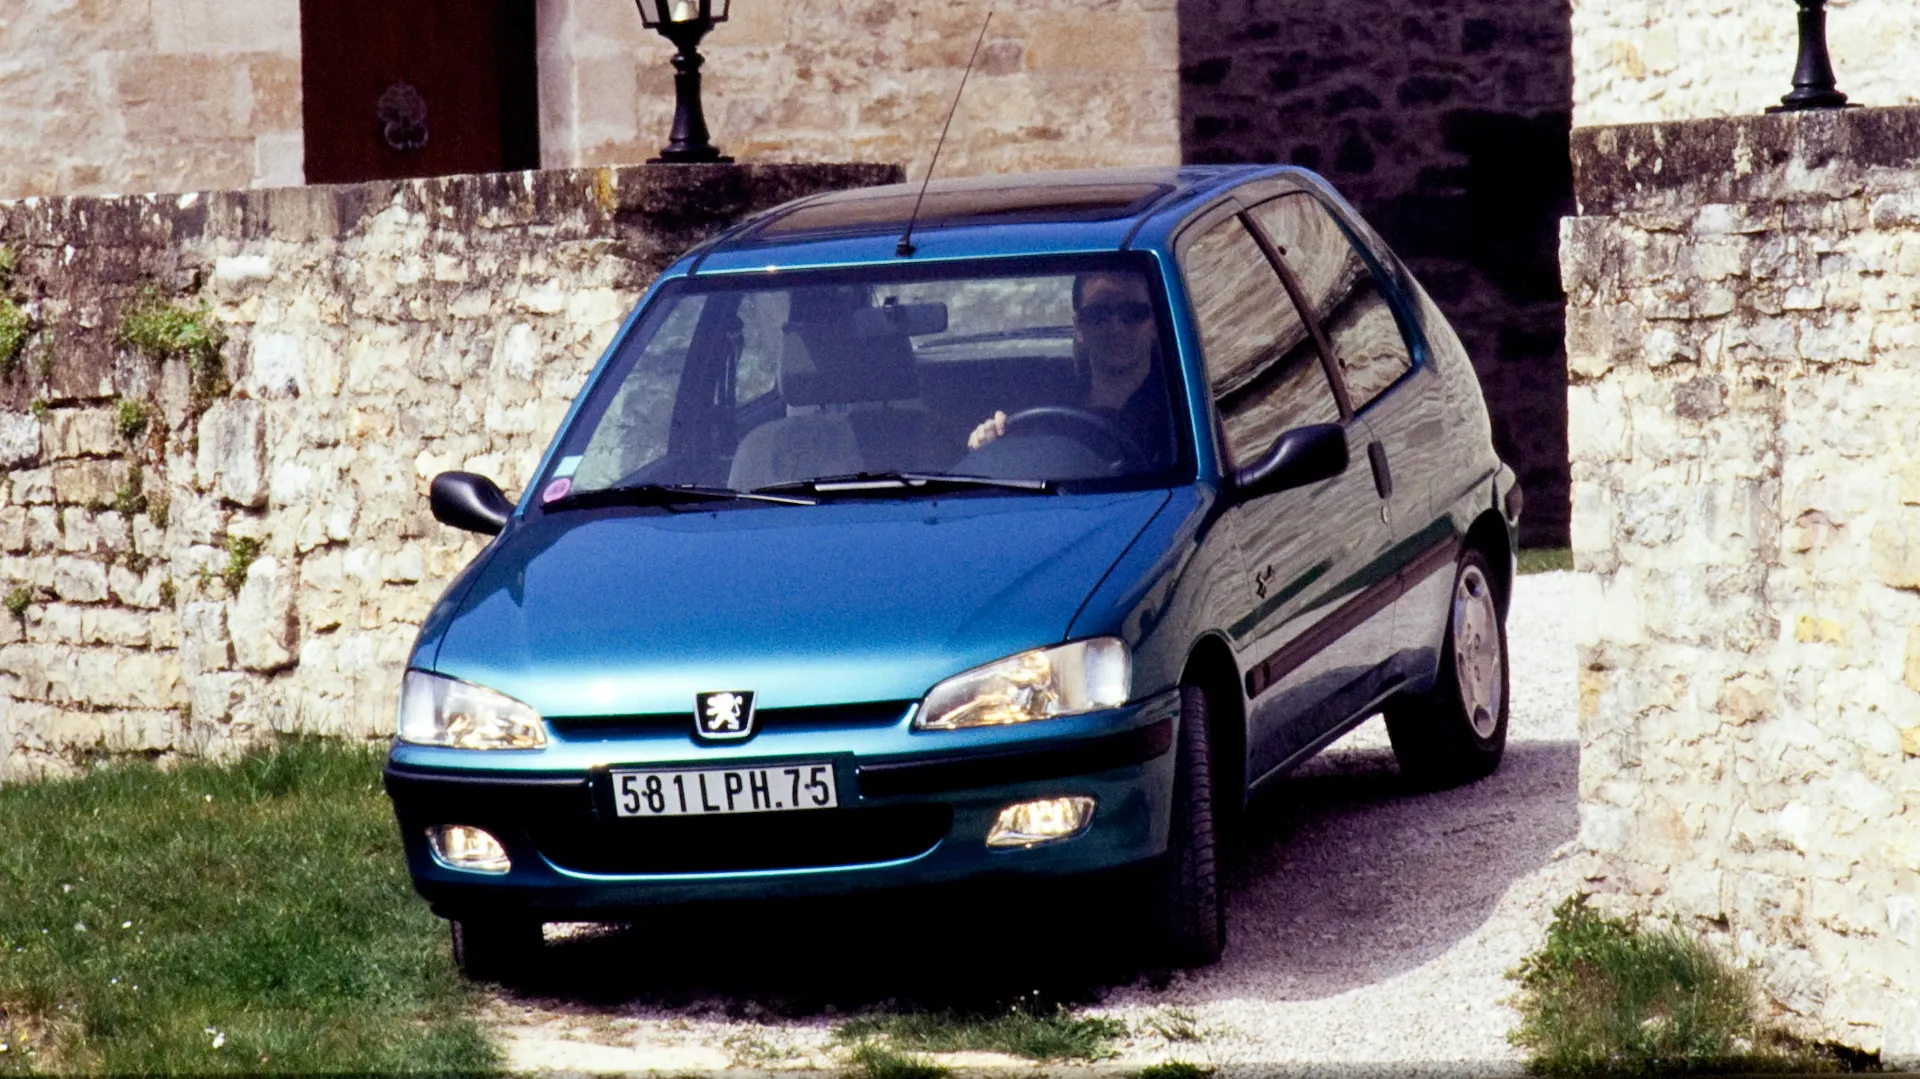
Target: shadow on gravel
(1344, 878)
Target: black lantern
(685, 22)
(1814, 86)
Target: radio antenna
(905, 248)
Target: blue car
(1016, 533)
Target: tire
(1456, 732)
(1188, 912)
(495, 949)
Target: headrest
(863, 355)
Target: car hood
(633, 612)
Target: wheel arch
(1490, 536)
(1210, 665)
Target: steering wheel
(1096, 432)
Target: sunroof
(969, 206)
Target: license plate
(705, 791)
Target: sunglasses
(1123, 312)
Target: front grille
(603, 728)
(745, 842)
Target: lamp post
(1814, 86)
(685, 22)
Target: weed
(38, 406)
(1056, 1036)
(162, 331)
(1174, 1069)
(157, 506)
(7, 265)
(206, 576)
(130, 498)
(241, 551)
(169, 592)
(14, 331)
(871, 1060)
(749, 1049)
(131, 416)
(1175, 1025)
(19, 600)
(1545, 559)
(267, 899)
(1614, 996)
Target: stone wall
(192, 558)
(1743, 334)
(163, 95)
(1642, 60)
(1446, 124)
(1059, 84)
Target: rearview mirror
(469, 502)
(892, 319)
(1301, 456)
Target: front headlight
(1084, 676)
(436, 711)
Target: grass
(872, 1060)
(1545, 559)
(1021, 1032)
(14, 331)
(161, 331)
(1617, 997)
(1174, 1069)
(19, 600)
(130, 417)
(241, 552)
(248, 918)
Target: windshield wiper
(858, 483)
(664, 494)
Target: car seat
(852, 395)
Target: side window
(1342, 291)
(1261, 361)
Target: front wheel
(1188, 911)
(1456, 732)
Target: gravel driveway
(1369, 926)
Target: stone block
(90, 483)
(204, 644)
(261, 617)
(80, 432)
(43, 529)
(19, 439)
(80, 580)
(33, 486)
(1895, 547)
(13, 529)
(232, 457)
(110, 625)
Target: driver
(1117, 345)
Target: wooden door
(400, 88)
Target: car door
(1309, 630)
(1352, 292)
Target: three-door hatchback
(1026, 545)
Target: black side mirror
(467, 501)
(1301, 456)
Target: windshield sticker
(556, 490)
(567, 467)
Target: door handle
(1382, 475)
(1262, 580)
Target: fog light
(1027, 823)
(458, 846)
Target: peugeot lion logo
(727, 714)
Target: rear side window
(1343, 292)
(1261, 361)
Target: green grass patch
(241, 552)
(14, 331)
(248, 918)
(872, 1060)
(1174, 1069)
(1058, 1035)
(160, 330)
(130, 417)
(1545, 559)
(19, 600)
(1619, 997)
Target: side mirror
(1301, 456)
(470, 502)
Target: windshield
(1051, 371)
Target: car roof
(1036, 213)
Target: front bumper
(904, 819)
